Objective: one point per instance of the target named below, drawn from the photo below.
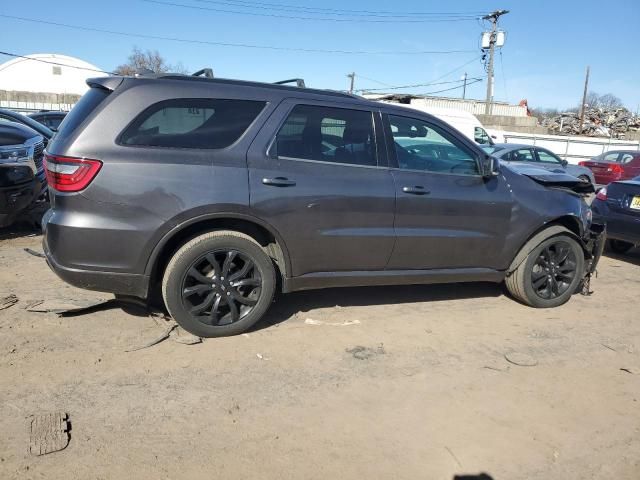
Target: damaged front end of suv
(562, 188)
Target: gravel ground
(399, 382)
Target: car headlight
(14, 154)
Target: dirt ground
(375, 383)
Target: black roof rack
(298, 81)
(204, 72)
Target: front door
(317, 176)
(447, 214)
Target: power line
(420, 84)
(54, 63)
(455, 69)
(452, 88)
(290, 7)
(229, 44)
(460, 18)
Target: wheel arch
(565, 224)
(268, 238)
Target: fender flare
(166, 238)
(536, 240)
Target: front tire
(620, 246)
(550, 273)
(219, 284)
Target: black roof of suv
(220, 191)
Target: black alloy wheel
(554, 270)
(221, 287)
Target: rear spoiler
(105, 83)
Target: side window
(626, 158)
(547, 157)
(481, 136)
(192, 123)
(611, 157)
(522, 155)
(422, 146)
(328, 134)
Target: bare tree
(606, 101)
(149, 60)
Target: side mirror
(564, 163)
(490, 166)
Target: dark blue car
(619, 205)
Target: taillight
(583, 163)
(602, 194)
(70, 174)
(616, 169)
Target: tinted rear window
(81, 110)
(192, 123)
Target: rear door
(318, 176)
(447, 214)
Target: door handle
(278, 182)
(416, 190)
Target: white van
(461, 120)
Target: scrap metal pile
(598, 122)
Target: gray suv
(212, 194)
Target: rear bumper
(113, 282)
(620, 226)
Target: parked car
(22, 178)
(541, 157)
(49, 119)
(222, 191)
(614, 166)
(618, 204)
(7, 115)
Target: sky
(548, 46)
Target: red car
(614, 166)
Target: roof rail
(204, 72)
(298, 81)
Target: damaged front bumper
(593, 244)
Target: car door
(549, 161)
(521, 155)
(318, 176)
(447, 214)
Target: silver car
(540, 157)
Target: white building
(47, 73)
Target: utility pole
(352, 76)
(493, 17)
(464, 87)
(584, 100)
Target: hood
(12, 133)
(551, 179)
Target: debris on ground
(48, 433)
(155, 341)
(598, 122)
(627, 370)
(310, 321)
(8, 301)
(34, 253)
(65, 307)
(365, 353)
(520, 359)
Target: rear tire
(620, 246)
(219, 284)
(549, 274)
